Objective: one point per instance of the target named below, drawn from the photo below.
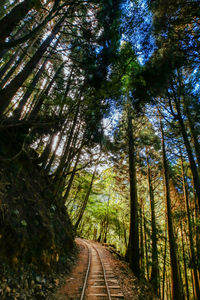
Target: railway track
(100, 281)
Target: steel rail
(87, 272)
(104, 273)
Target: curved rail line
(83, 294)
(87, 273)
(104, 274)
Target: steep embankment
(36, 235)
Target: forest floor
(70, 287)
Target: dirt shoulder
(132, 288)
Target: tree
(177, 291)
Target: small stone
(38, 278)
(56, 281)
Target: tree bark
(7, 65)
(154, 278)
(192, 251)
(85, 202)
(10, 21)
(65, 197)
(17, 114)
(176, 286)
(133, 245)
(146, 246)
(164, 263)
(193, 166)
(10, 90)
(184, 264)
(33, 114)
(59, 170)
(141, 241)
(16, 65)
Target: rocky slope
(36, 235)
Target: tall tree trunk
(189, 255)
(65, 197)
(141, 241)
(184, 263)
(107, 218)
(154, 278)
(7, 65)
(85, 202)
(192, 250)
(16, 65)
(60, 136)
(65, 154)
(133, 245)
(10, 21)
(17, 114)
(45, 154)
(193, 133)
(146, 246)
(193, 166)
(177, 291)
(42, 97)
(22, 38)
(10, 90)
(164, 263)
(14, 36)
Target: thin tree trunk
(7, 65)
(164, 264)
(185, 265)
(193, 258)
(141, 241)
(154, 278)
(193, 133)
(30, 34)
(146, 246)
(85, 202)
(65, 197)
(14, 36)
(176, 285)
(19, 110)
(59, 172)
(49, 165)
(45, 154)
(133, 245)
(10, 90)
(43, 96)
(107, 219)
(193, 166)
(16, 65)
(9, 22)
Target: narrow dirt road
(108, 278)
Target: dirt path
(128, 285)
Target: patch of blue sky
(136, 28)
(111, 121)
